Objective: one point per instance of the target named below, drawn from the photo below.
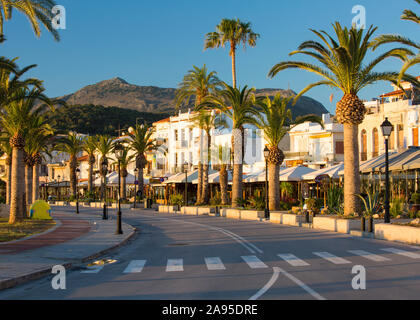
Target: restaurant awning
(332, 172)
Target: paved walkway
(77, 238)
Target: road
(213, 258)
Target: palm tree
(342, 65)
(223, 173)
(37, 140)
(72, 144)
(123, 162)
(274, 121)
(90, 147)
(141, 141)
(390, 38)
(199, 83)
(104, 146)
(15, 118)
(234, 32)
(239, 106)
(207, 121)
(38, 12)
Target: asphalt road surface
(202, 258)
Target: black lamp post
(387, 128)
(119, 150)
(186, 184)
(136, 181)
(104, 170)
(267, 210)
(77, 190)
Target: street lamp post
(387, 129)
(104, 168)
(186, 184)
(77, 190)
(119, 150)
(267, 210)
(135, 185)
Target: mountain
(119, 93)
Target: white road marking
(175, 265)
(93, 269)
(268, 285)
(408, 254)
(214, 264)
(293, 260)
(135, 266)
(254, 263)
(312, 292)
(368, 255)
(331, 258)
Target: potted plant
(415, 200)
(372, 206)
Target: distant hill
(91, 119)
(117, 92)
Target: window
(375, 141)
(339, 147)
(363, 145)
(416, 137)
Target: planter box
(286, 218)
(73, 204)
(4, 211)
(252, 215)
(231, 213)
(393, 232)
(336, 225)
(167, 209)
(189, 211)
(202, 211)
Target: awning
(332, 172)
(396, 161)
(295, 174)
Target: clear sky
(157, 42)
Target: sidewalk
(75, 239)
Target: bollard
(363, 224)
(370, 224)
(306, 216)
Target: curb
(35, 275)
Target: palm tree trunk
(35, 183)
(200, 183)
(123, 187)
(141, 181)
(273, 186)
(351, 170)
(90, 177)
(28, 187)
(73, 181)
(237, 178)
(223, 181)
(233, 67)
(9, 179)
(17, 187)
(205, 189)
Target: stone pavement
(75, 239)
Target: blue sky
(157, 42)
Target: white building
(314, 146)
(402, 110)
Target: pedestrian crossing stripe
(368, 255)
(254, 263)
(175, 265)
(293, 260)
(331, 258)
(413, 255)
(135, 266)
(214, 263)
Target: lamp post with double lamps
(104, 171)
(186, 184)
(387, 129)
(136, 182)
(267, 210)
(119, 151)
(77, 190)
(58, 188)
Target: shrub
(285, 206)
(415, 198)
(334, 198)
(242, 203)
(257, 202)
(176, 200)
(216, 200)
(371, 203)
(397, 206)
(311, 204)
